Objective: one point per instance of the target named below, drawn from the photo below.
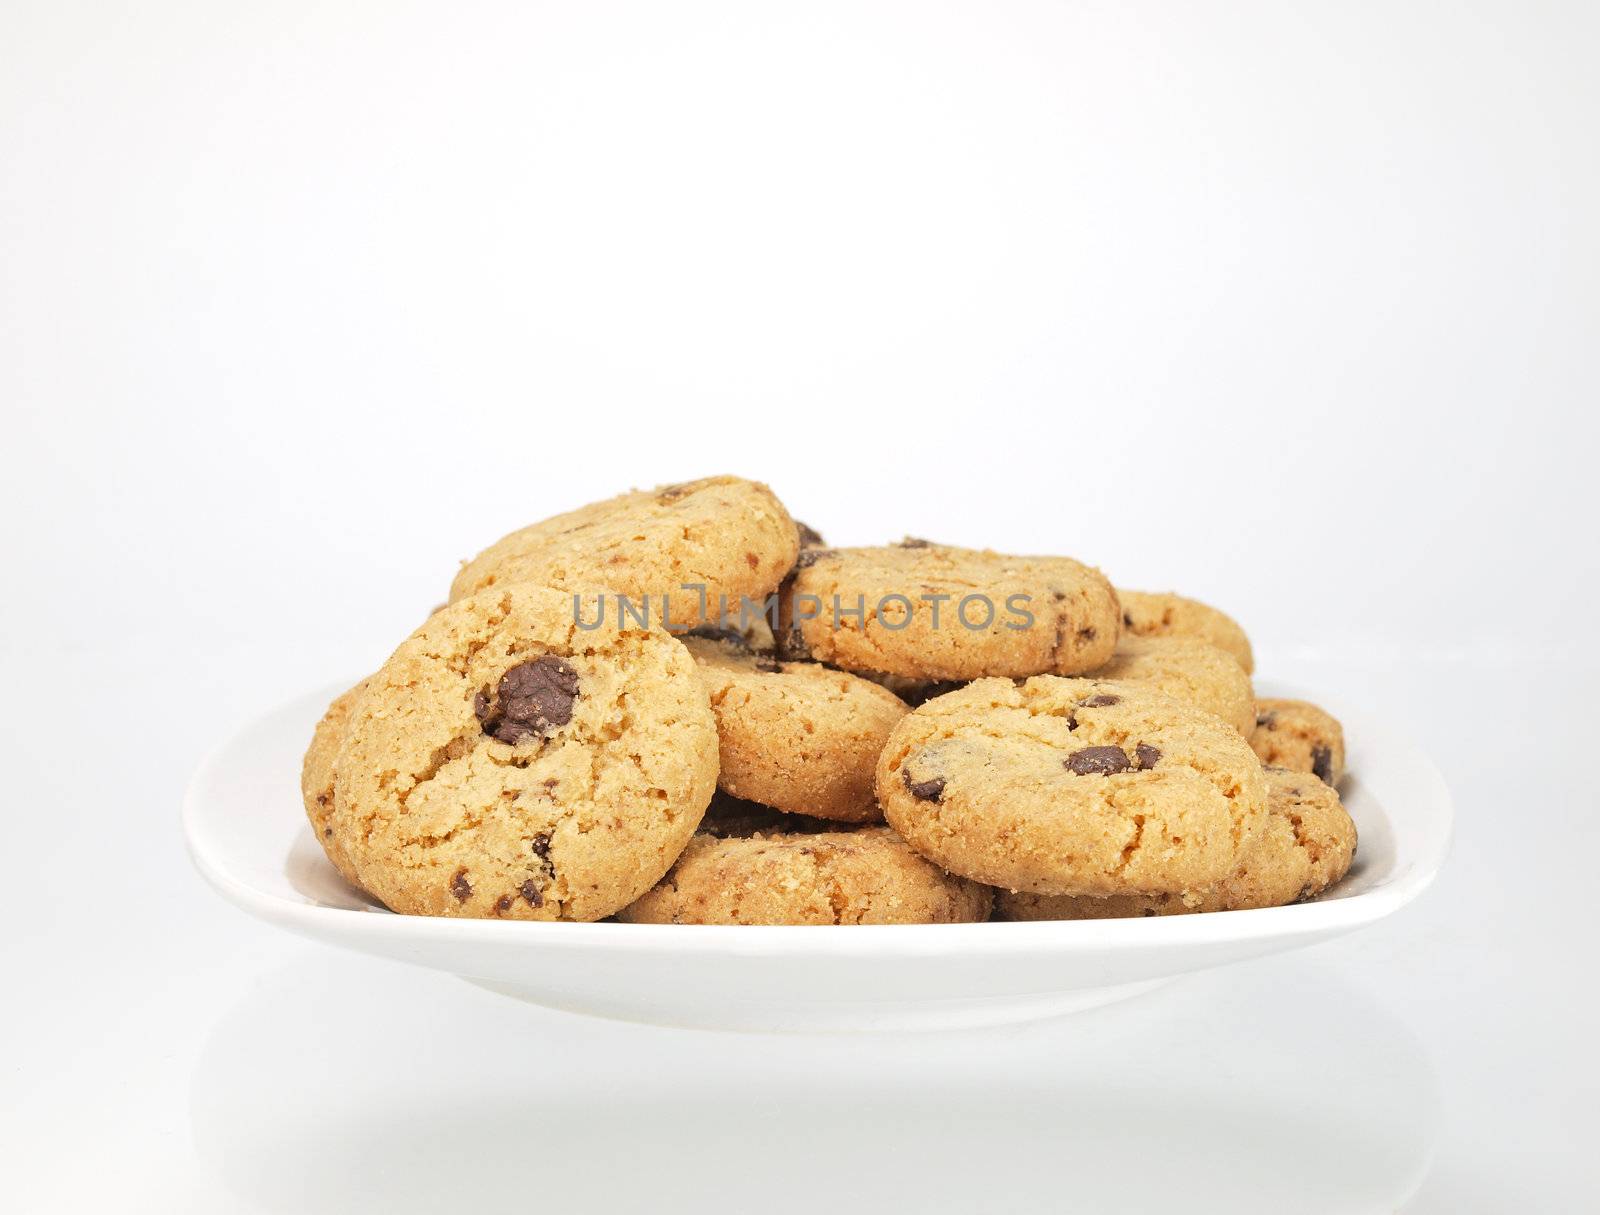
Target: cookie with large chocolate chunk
(695, 550)
(505, 762)
(1072, 786)
(1148, 614)
(795, 735)
(932, 612)
(1306, 846)
(1188, 669)
(1297, 734)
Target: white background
(1289, 305)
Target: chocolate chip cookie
(794, 735)
(1297, 734)
(505, 762)
(317, 773)
(1073, 786)
(1145, 614)
(932, 612)
(747, 869)
(723, 538)
(1306, 846)
(1190, 670)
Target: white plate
(249, 837)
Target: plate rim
(1418, 868)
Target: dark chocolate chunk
(810, 556)
(460, 887)
(1322, 764)
(1147, 756)
(810, 537)
(532, 699)
(1097, 761)
(1266, 719)
(931, 790)
(530, 891)
(541, 844)
(1100, 701)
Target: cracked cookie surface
(1189, 670)
(1305, 847)
(504, 762)
(1072, 786)
(317, 778)
(750, 868)
(1151, 614)
(932, 612)
(798, 736)
(725, 534)
(1297, 734)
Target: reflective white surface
(170, 1054)
(1235, 1109)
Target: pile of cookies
(680, 706)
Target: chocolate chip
(809, 557)
(1266, 719)
(532, 699)
(1097, 761)
(915, 542)
(1088, 633)
(768, 664)
(460, 887)
(530, 891)
(931, 790)
(810, 537)
(1322, 764)
(1100, 701)
(1146, 756)
(1127, 620)
(502, 904)
(540, 844)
